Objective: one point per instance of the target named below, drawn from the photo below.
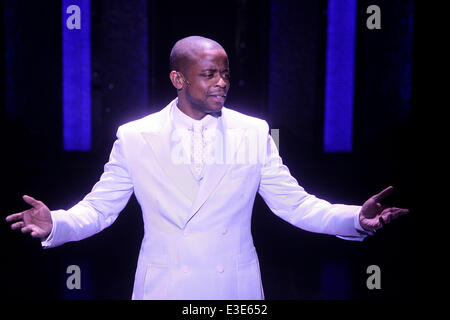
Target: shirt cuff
(360, 229)
(46, 243)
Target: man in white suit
(195, 168)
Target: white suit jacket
(202, 249)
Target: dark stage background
(277, 59)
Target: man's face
(208, 79)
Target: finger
(35, 231)
(15, 216)
(397, 212)
(26, 229)
(391, 214)
(32, 230)
(383, 194)
(17, 225)
(31, 201)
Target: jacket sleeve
(100, 208)
(288, 200)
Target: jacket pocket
(156, 282)
(249, 284)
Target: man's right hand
(37, 221)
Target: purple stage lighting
(76, 82)
(340, 57)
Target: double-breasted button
(220, 269)
(185, 269)
(224, 231)
(185, 233)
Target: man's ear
(177, 79)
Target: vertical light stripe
(275, 133)
(76, 79)
(339, 77)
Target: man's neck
(190, 112)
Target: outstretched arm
(288, 200)
(293, 204)
(96, 211)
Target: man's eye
(209, 75)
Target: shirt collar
(183, 121)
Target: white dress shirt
(208, 127)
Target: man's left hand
(374, 215)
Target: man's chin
(215, 108)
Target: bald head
(200, 72)
(184, 51)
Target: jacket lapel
(158, 137)
(214, 173)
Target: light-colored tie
(197, 151)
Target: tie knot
(198, 127)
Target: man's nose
(222, 83)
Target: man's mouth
(219, 98)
